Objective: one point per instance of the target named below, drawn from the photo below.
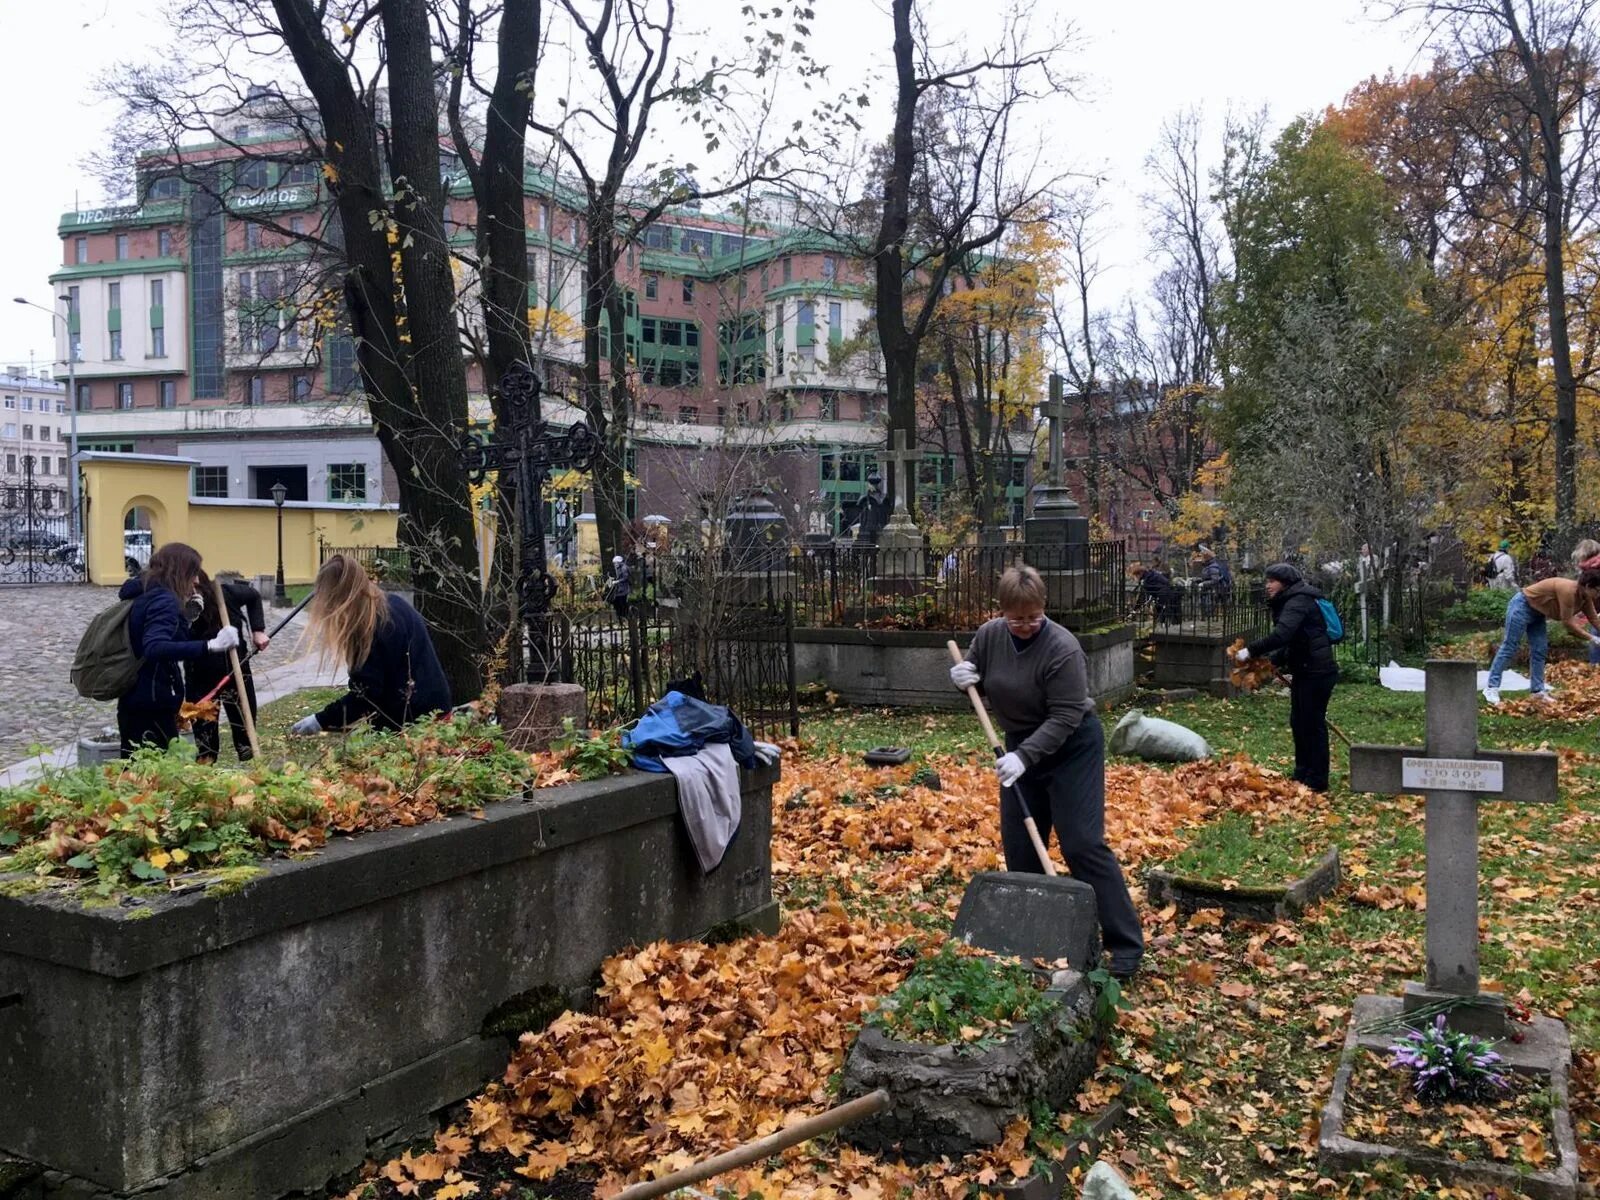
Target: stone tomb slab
(1545, 1053)
(950, 1100)
(1286, 903)
(1031, 916)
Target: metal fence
(1199, 609)
(625, 664)
(867, 587)
(37, 535)
(387, 564)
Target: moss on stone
(527, 1012)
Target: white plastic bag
(1157, 740)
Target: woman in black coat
(1300, 646)
(395, 675)
(159, 634)
(200, 677)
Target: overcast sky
(1140, 60)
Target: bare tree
(373, 123)
(951, 180)
(634, 75)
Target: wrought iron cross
(530, 446)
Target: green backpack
(105, 667)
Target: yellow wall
(239, 535)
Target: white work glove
(227, 639)
(305, 727)
(1243, 656)
(964, 675)
(766, 753)
(1010, 768)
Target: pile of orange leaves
(1252, 674)
(696, 1048)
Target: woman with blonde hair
(1033, 674)
(395, 676)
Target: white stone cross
(900, 459)
(1453, 774)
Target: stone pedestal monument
(902, 560)
(1056, 534)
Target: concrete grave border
(247, 1045)
(1286, 903)
(1545, 1051)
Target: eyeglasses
(1032, 622)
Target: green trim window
(835, 327)
(741, 350)
(669, 353)
(777, 338)
(209, 483)
(347, 483)
(805, 332)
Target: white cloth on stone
(1410, 679)
(708, 798)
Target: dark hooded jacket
(160, 636)
(1299, 639)
(400, 681)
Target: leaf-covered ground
(1225, 1056)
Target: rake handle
(999, 749)
(238, 674)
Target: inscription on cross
(900, 460)
(1452, 775)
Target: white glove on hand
(305, 727)
(1243, 656)
(1010, 768)
(964, 675)
(767, 753)
(227, 639)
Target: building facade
(35, 425)
(203, 323)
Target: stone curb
(1545, 1051)
(1285, 903)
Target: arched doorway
(142, 523)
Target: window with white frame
(347, 483)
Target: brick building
(199, 321)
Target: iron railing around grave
(386, 564)
(1199, 608)
(37, 541)
(871, 588)
(625, 664)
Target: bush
(956, 996)
(1481, 606)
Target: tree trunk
(446, 581)
(418, 426)
(899, 348)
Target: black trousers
(1308, 721)
(208, 734)
(1067, 793)
(141, 726)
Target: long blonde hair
(347, 609)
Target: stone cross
(900, 460)
(1055, 412)
(1453, 775)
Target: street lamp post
(76, 517)
(279, 494)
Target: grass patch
(952, 998)
(1234, 849)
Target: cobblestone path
(39, 631)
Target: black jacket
(206, 672)
(400, 680)
(1299, 638)
(161, 637)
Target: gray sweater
(1040, 693)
